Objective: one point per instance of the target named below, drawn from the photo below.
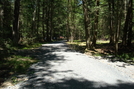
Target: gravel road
(62, 68)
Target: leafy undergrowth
(26, 46)
(12, 64)
(127, 57)
(104, 49)
(16, 60)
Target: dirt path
(63, 68)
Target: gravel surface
(63, 68)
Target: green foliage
(35, 45)
(25, 46)
(14, 80)
(15, 65)
(77, 41)
(33, 19)
(127, 57)
(97, 54)
(18, 64)
(76, 45)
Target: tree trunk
(68, 29)
(38, 19)
(48, 21)
(111, 10)
(69, 21)
(7, 20)
(43, 17)
(1, 16)
(128, 26)
(16, 35)
(96, 23)
(73, 27)
(87, 23)
(34, 20)
(51, 19)
(118, 26)
(47, 24)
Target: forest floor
(104, 49)
(62, 67)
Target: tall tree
(87, 23)
(38, 18)
(7, 20)
(16, 35)
(127, 31)
(129, 42)
(111, 4)
(118, 24)
(97, 3)
(68, 18)
(43, 17)
(71, 15)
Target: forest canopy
(30, 21)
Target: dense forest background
(29, 21)
(24, 23)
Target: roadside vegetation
(13, 64)
(15, 60)
(103, 49)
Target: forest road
(62, 68)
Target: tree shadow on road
(42, 76)
(75, 84)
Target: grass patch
(77, 45)
(27, 46)
(17, 64)
(20, 64)
(102, 41)
(16, 60)
(35, 45)
(14, 65)
(97, 54)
